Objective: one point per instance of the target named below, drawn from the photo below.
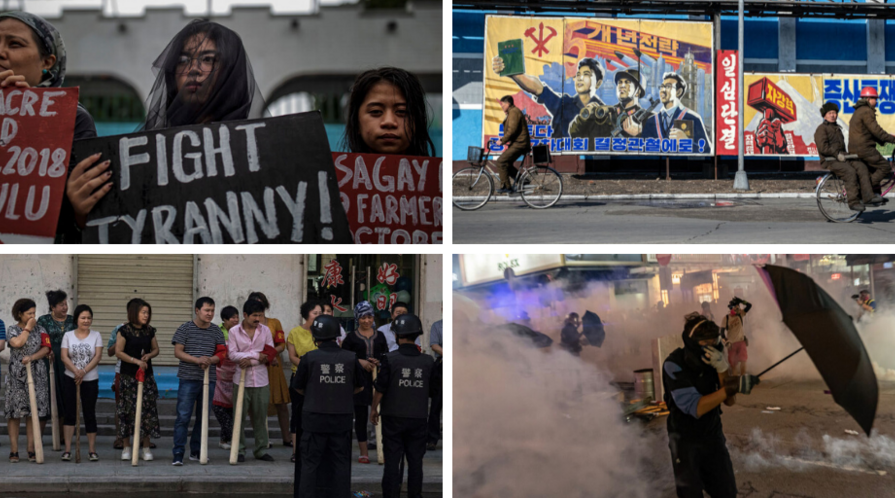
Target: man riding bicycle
(863, 135)
(831, 144)
(517, 140)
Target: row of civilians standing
(322, 413)
(204, 75)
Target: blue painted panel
(890, 40)
(824, 40)
(467, 131)
(760, 41)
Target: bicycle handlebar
(847, 157)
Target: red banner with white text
(727, 137)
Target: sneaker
(178, 461)
(224, 446)
(266, 458)
(241, 458)
(126, 454)
(94, 457)
(147, 455)
(876, 201)
(194, 457)
(66, 456)
(859, 207)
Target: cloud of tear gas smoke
(856, 453)
(535, 423)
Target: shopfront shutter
(106, 282)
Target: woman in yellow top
(299, 343)
(279, 390)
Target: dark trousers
(330, 454)
(877, 165)
(298, 402)
(702, 465)
(361, 415)
(435, 412)
(89, 393)
(403, 437)
(505, 163)
(852, 173)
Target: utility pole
(740, 181)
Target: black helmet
(407, 324)
(325, 327)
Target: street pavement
(802, 450)
(690, 221)
(111, 476)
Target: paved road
(669, 222)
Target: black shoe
(266, 458)
(241, 458)
(859, 207)
(505, 191)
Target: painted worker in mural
(831, 147)
(673, 120)
(563, 107)
(696, 382)
(629, 92)
(863, 135)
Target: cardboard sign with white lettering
(36, 133)
(391, 199)
(256, 181)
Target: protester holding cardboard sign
(33, 56)
(387, 114)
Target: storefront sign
(481, 268)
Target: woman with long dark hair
(388, 114)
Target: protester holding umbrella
(570, 338)
(135, 347)
(28, 342)
(696, 382)
(82, 348)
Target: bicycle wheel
(541, 187)
(471, 188)
(832, 202)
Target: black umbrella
(538, 339)
(592, 328)
(828, 335)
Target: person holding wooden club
(250, 346)
(403, 388)
(223, 389)
(57, 322)
(199, 345)
(82, 348)
(135, 346)
(28, 342)
(328, 378)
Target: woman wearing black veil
(202, 76)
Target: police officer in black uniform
(696, 382)
(405, 384)
(328, 378)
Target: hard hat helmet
(869, 92)
(406, 325)
(325, 327)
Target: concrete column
(786, 51)
(876, 46)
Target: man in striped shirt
(199, 345)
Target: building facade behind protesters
(199, 345)
(403, 388)
(328, 378)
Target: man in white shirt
(398, 309)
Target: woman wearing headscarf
(202, 76)
(370, 346)
(34, 56)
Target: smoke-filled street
(542, 409)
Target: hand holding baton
(203, 452)
(141, 375)
(237, 419)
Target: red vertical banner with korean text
(36, 133)
(391, 199)
(727, 140)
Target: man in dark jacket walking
(864, 133)
(517, 140)
(831, 144)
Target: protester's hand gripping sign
(391, 199)
(265, 180)
(35, 138)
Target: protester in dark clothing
(831, 148)
(516, 138)
(864, 133)
(570, 338)
(696, 382)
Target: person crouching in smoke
(696, 381)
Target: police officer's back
(328, 377)
(403, 387)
